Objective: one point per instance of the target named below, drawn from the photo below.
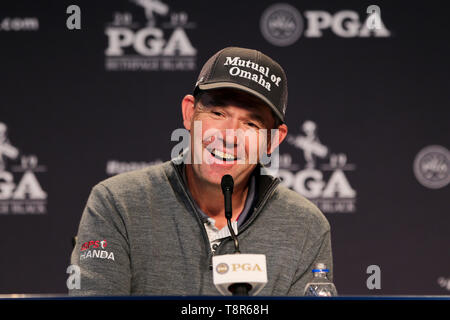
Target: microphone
(237, 274)
(227, 185)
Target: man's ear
(187, 108)
(277, 139)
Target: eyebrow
(219, 101)
(256, 117)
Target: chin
(213, 174)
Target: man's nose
(230, 139)
(230, 133)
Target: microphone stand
(233, 235)
(237, 289)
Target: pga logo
(28, 187)
(345, 24)
(148, 42)
(246, 267)
(282, 24)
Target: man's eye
(216, 113)
(253, 125)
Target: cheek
(199, 126)
(204, 131)
(255, 146)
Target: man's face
(226, 136)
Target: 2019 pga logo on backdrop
(159, 42)
(20, 190)
(325, 183)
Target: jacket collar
(264, 182)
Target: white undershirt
(215, 235)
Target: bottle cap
(320, 267)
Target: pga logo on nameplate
(229, 269)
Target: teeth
(223, 155)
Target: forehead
(236, 98)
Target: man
(154, 231)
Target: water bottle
(320, 286)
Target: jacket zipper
(256, 212)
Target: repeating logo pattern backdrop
(368, 118)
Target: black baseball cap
(247, 70)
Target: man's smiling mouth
(222, 155)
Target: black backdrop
(373, 102)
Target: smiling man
(160, 226)
(233, 127)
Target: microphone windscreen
(227, 183)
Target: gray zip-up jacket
(140, 234)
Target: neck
(210, 199)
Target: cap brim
(217, 85)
